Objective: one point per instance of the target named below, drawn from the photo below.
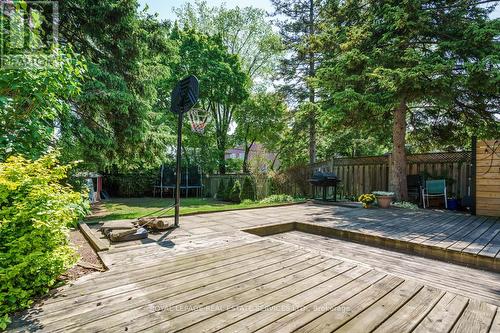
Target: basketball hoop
(198, 119)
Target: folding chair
(434, 188)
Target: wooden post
(472, 183)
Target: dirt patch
(89, 260)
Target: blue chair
(434, 188)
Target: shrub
(277, 198)
(235, 192)
(36, 207)
(221, 191)
(229, 188)
(247, 189)
(247, 202)
(131, 185)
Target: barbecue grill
(325, 180)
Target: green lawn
(129, 208)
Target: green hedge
(248, 189)
(36, 207)
(235, 192)
(221, 191)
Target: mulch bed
(89, 260)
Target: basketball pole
(178, 168)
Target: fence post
(472, 181)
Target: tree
(34, 98)
(424, 62)
(32, 103)
(116, 122)
(223, 84)
(261, 118)
(245, 32)
(299, 27)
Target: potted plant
(384, 199)
(367, 200)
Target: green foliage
(34, 100)
(235, 192)
(234, 165)
(277, 198)
(244, 31)
(439, 61)
(221, 191)
(136, 184)
(119, 120)
(223, 83)
(260, 119)
(229, 188)
(36, 207)
(248, 189)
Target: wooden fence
(367, 174)
(211, 183)
(488, 177)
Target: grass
(130, 208)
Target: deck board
(470, 282)
(210, 276)
(443, 316)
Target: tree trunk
(246, 169)
(398, 160)
(222, 162)
(312, 93)
(221, 151)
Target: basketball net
(198, 119)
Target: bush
(221, 191)
(36, 207)
(229, 188)
(235, 192)
(247, 189)
(277, 198)
(131, 185)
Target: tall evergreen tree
(299, 25)
(411, 63)
(116, 121)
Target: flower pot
(384, 201)
(452, 204)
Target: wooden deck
(252, 285)
(475, 235)
(210, 276)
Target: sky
(164, 7)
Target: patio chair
(415, 186)
(434, 188)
